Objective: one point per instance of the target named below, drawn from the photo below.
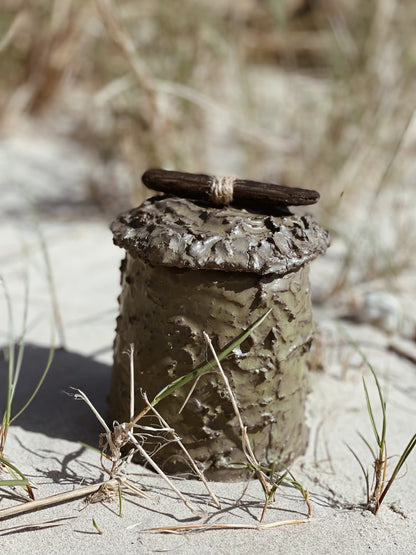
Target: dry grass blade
(224, 526)
(189, 394)
(36, 526)
(18, 23)
(81, 395)
(270, 481)
(124, 42)
(54, 499)
(248, 451)
(136, 490)
(122, 434)
(157, 468)
(131, 357)
(120, 437)
(185, 451)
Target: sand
(46, 442)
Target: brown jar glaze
(191, 268)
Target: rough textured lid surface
(173, 231)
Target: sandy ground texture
(46, 442)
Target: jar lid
(178, 232)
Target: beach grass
(377, 483)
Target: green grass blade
(19, 360)
(11, 354)
(363, 469)
(409, 448)
(183, 380)
(11, 467)
(371, 414)
(14, 471)
(373, 453)
(260, 478)
(35, 391)
(14, 482)
(87, 446)
(380, 438)
(294, 482)
(48, 266)
(51, 284)
(284, 477)
(96, 527)
(280, 478)
(382, 404)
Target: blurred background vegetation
(310, 93)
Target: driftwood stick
(224, 190)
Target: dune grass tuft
(376, 482)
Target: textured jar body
(164, 311)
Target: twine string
(222, 189)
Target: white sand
(44, 442)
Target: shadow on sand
(53, 412)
